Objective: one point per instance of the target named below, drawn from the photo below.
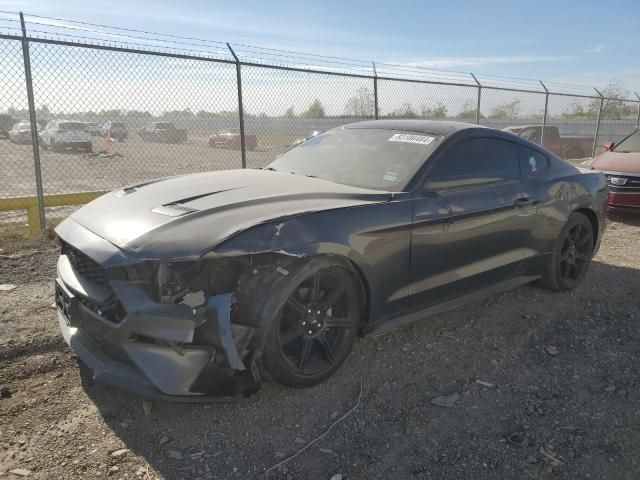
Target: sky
(583, 42)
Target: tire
(571, 255)
(313, 333)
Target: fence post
(479, 98)
(595, 139)
(638, 117)
(243, 149)
(34, 132)
(375, 90)
(544, 115)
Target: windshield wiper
(268, 168)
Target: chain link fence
(114, 106)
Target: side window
(531, 162)
(475, 161)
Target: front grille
(89, 269)
(632, 185)
(85, 266)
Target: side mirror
(608, 146)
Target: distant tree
(290, 113)
(184, 113)
(114, 113)
(405, 111)
(576, 110)
(506, 110)
(437, 111)
(138, 114)
(315, 110)
(362, 104)
(615, 107)
(42, 112)
(468, 111)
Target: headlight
(617, 181)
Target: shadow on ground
(564, 404)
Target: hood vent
(174, 210)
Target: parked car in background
(66, 134)
(92, 127)
(163, 132)
(621, 165)
(118, 130)
(21, 132)
(188, 287)
(6, 123)
(564, 147)
(230, 138)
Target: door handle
(521, 202)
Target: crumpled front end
(158, 329)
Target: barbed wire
(58, 28)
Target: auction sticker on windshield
(405, 137)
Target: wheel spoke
(330, 298)
(289, 335)
(296, 305)
(337, 322)
(327, 348)
(583, 241)
(315, 287)
(305, 352)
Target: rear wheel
(571, 255)
(315, 328)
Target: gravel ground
(558, 397)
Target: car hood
(187, 216)
(617, 162)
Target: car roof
(434, 127)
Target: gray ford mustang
(197, 287)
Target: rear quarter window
(532, 162)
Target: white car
(61, 134)
(20, 132)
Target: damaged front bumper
(149, 349)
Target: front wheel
(316, 326)
(571, 255)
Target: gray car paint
(413, 250)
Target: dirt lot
(565, 402)
(132, 160)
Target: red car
(621, 165)
(231, 139)
(563, 146)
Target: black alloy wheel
(315, 329)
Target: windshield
(629, 144)
(370, 158)
(117, 125)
